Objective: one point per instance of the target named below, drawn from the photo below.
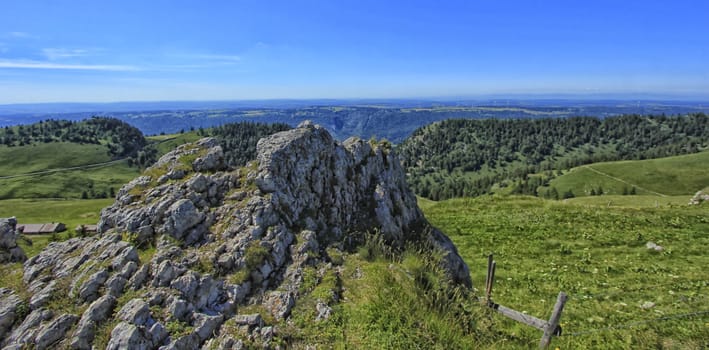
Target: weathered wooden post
(552, 327)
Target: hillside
(95, 157)
(194, 254)
(61, 170)
(119, 138)
(671, 176)
(456, 158)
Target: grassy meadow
(63, 183)
(671, 176)
(43, 156)
(72, 212)
(596, 254)
(166, 143)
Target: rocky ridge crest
(190, 244)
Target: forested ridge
(239, 139)
(121, 139)
(468, 157)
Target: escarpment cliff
(190, 248)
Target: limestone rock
(249, 320)
(89, 290)
(280, 304)
(699, 198)
(55, 330)
(193, 242)
(8, 310)
(98, 312)
(9, 250)
(136, 312)
(654, 247)
(129, 336)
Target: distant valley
(393, 120)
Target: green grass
(597, 255)
(68, 184)
(70, 212)
(167, 143)
(43, 156)
(641, 201)
(59, 184)
(386, 304)
(667, 176)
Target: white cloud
(50, 65)
(55, 54)
(21, 35)
(224, 58)
(206, 59)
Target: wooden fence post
(551, 327)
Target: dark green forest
(457, 157)
(239, 139)
(121, 139)
(125, 141)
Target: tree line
(467, 157)
(238, 140)
(120, 138)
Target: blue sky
(96, 51)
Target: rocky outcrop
(189, 243)
(9, 250)
(699, 198)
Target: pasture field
(41, 171)
(671, 176)
(621, 294)
(70, 212)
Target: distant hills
(458, 157)
(391, 119)
(465, 151)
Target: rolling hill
(95, 157)
(670, 176)
(65, 159)
(458, 158)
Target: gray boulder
(8, 310)
(9, 250)
(55, 331)
(136, 312)
(98, 312)
(129, 336)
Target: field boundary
(622, 181)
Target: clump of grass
(255, 255)
(384, 298)
(178, 328)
